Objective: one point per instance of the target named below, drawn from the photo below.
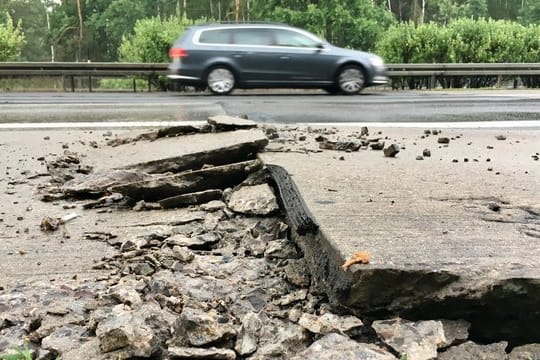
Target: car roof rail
(242, 22)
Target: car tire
(351, 79)
(220, 80)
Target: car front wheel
(220, 80)
(351, 79)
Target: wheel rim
(221, 80)
(351, 80)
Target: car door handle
(237, 55)
(284, 57)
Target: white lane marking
(445, 125)
(97, 125)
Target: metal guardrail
(151, 71)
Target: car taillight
(177, 52)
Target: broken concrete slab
(434, 250)
(219, 156)
(230, 123)
(162, 187)
(191, 198)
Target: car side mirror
(320, 46)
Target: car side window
(294, 39)
(252, 36)
(216, 36)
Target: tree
(151, 39)
(530, 13)
(11, 39)
(31, 15)
(477, 9)
(349, 23)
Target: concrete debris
(330, 323)
(472, 351)
(230, 123)
(415, 341)
(443, 140)
(340, 145)
(392, 150)
(253, 200)
(214, 270)
(339, 347)
(167, 186)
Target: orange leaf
(360, 257)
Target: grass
(18, 354)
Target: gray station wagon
(223, 57)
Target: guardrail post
(90, 83)
(149, 83)
(72, 80)
(431, 82)
(134, 85)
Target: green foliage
(462, 41)
(476, 9)
(530, 13)
(18, 354)
(152, 39)
(347, 23)
(11, 40)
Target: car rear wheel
(220, 80)
(351, 79)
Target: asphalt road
(521, 107)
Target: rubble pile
(208, 270)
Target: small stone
(426, 153)
(443, 140)
(500, 137)
(494, 207)
(419, 157)
(183, 254)
(392, 150)
(489, 147)
(377, 145)
(455, 160)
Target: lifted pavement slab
(29, 254)
(438, 245)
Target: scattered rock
(338, 347)
(443, 140)
(392, 150)
(418, 340)
(253, 200)
(329, 323)
(472, 351)
(377, 145)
